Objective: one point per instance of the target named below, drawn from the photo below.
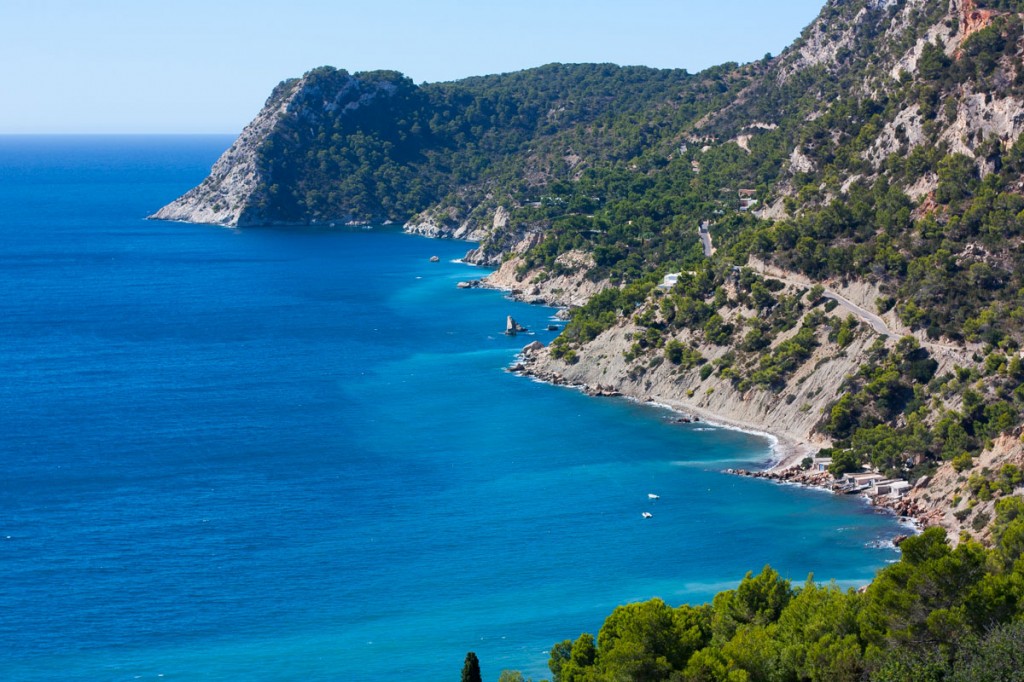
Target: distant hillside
(373, 146)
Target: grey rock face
(228, 194)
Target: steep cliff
(270, 175)
(232, 192)
(441, 157)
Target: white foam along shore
(787, 453)
(780, 449)
(787, 447)
(784, 450)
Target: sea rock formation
(512, 327)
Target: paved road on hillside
(705, 239)
(877, 323)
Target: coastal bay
(300, 453)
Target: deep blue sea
(286, 454)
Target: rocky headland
(230, 194)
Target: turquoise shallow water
(295, 454)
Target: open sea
(287, 454)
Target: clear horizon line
(112, 134)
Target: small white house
(864, 478)
(894, 487)
(899, 489)
(669, 280)
(860, 481)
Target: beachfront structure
(821, 464)
(893, 487)
(862, 480)
(900, 488)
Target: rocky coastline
(787, 423)
(785, 448)
(908, 508)
(784, 466)
(602, 373)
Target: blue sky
(191, 66)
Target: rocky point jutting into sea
(823, 245)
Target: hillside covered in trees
(883, 151)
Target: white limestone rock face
(800, 162)
(228, 194)
(981, 117)
(448, 222)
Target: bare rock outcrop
(800, 162)
(946, 499)
(790, 414)
(229, 193)
(973, 19)
(567, 288)
(981, 117)
(447, 222)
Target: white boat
(652, 496)
(647, 515)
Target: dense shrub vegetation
(375, 145)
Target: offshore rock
(512, 327)
(532, 347)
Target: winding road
(877, 323)
(959, 353)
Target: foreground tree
(471, 669)
(512, 676)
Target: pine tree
(471, 669)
